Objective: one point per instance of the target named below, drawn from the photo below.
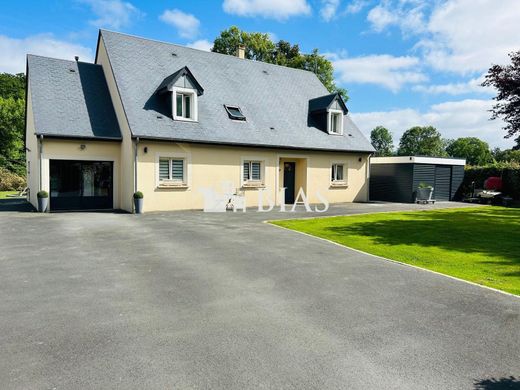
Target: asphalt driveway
(191, 300)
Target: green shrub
(138, 195)
(424, 185)
(42, 194)
(10, 181)
(509, 172)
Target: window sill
(331, 133)
(339, 185)
(253, 185)
(172, 186)
(181, 119)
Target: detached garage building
(396, 179)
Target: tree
(421, 141)
(12, 112)
(382, 141)
(474, 150)
(12, 85)
(260, 47)
(506, 80)
(507, 155)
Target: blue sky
(404, 62)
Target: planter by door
(138, 203)
(42, 204)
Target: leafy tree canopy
(260, 47)
(421, 141)
(474, 150)
(12, 113)
(506, 156)
(382, 141)
(506, 80)
(12, 85)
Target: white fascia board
(417, 160)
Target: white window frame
(186, 180)
(250, 182)
(194, 104)
(339, 183)
(329, 122)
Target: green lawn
(479, 244)
(3, 194)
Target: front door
(288, 181)
(81, 185)
(442, 187)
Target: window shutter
(178, 170)
(246, 171)
(255, 168)
(164, 169)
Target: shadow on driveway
(15, 204)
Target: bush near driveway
(10, 181)
(478, 244)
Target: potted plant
(43, 201)
(424, 191)
(138, 202)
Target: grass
(480, 244)
(3, 194)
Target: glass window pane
(164, 173)
(255, 170)
(246, 170)
(178, 170)
(179, 104)
(339, 172)
(187, 106)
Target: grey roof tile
(70, 99)
(274, 99)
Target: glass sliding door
(81, 185)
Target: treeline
(428, 141)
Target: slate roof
(70, 99)
(274, 99)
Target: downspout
(40, 151)
(368, 176)
(135, 163)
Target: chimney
(76, 58)
(241, 51)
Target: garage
(81, 185)
(396, 179)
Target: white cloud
(186, 24)
(472, 86)
(274, 9)
(384, 70)
(201, 44)
(409, 16)
(466, 118)
(329, 9)
(356, 6)
(468, 35)
(14, 50)
(112, 13)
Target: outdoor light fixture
(145, 149)
(359, 159)
(82, 146)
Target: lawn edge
(268, 222)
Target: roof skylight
(235, 113)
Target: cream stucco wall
(32, 153)
(126, 177)
(209, 166)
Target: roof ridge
(205, 51)
(60, 59)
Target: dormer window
(184, 105)
(235, 113)
(184, 90)
(335, 122)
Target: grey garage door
(442, 182)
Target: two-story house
(171, 121)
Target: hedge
(510, 174)
(10, 181)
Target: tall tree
(421, 141)
(12, 122)
(260, 47)
(506, 80)
(474, 150)
(382, 141)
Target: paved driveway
(194, 300)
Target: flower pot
(424, 193)
(138, 204)
(42, 204)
